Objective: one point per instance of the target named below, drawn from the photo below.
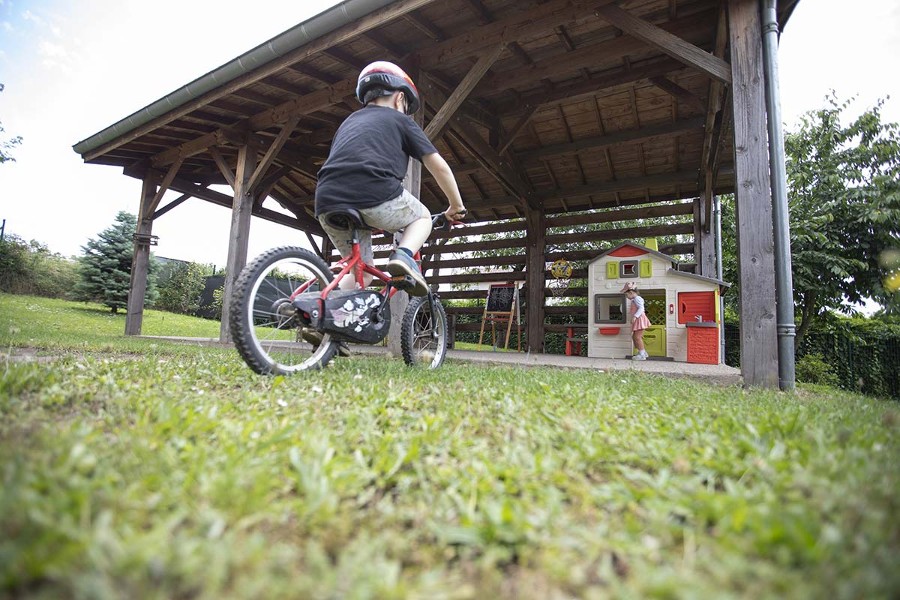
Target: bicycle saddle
(345, 218)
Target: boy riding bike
(365, 170)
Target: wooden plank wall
(504, 256)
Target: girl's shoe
(639, 356)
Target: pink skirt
(641, 322)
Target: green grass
(135, 468)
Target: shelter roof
(565, 105)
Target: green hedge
(863, 355)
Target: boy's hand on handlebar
(455, 214)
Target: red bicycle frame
(342, 267)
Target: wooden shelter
(552, 113)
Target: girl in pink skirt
(639, 320)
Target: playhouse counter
(703, 342)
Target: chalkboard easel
(502, 306)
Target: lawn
(142, 468)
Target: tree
(106, 265)
(844, 201)
(7, 145)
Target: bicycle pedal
(404, 282)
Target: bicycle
(288, 297)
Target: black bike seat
(345, 218)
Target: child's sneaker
(401, 264)
(639, 356)
(644, 354)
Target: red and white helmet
(389, 76)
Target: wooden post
(413, 185)
(140, 262)
(240, 231)
(704, 240)
(535, 248)
(755, 242)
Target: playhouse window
(628, 268)
(609, 308)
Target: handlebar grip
(439, 221)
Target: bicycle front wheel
(267, 330)
(423, 333)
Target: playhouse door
(655, 336)
(655, 340)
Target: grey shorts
(391, 216)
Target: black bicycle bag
(349, 316)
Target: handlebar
(440, 221)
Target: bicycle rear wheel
(423, 334)
(265, 326)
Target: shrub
(180, 293)
(812, 368)
(30, 268)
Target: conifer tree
(106, 265)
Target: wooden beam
(500, 167)
(218, 198)
(176, 202)
(623, 233)
(226, 171)
(618, 138)
(672, 45)
(140, 260)
(462, 91)
(513, 133)
(273, 151)
(608, 53)
(312, 102)
(715, 102)
(535, 250)
(239, 237)
(576, 90)
(164, 186)
(264, 187)
(755, 238)
(618, 185)
(519, 25)
(678, 92)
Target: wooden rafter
(226, 171)
(671, 44)
(347, 32)
(273, 151)
(164, 186)
(462, 91)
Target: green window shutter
(646, 268)
(612, 270)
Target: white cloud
(30, 16)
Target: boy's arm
(442, 173)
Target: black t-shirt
(368, 159)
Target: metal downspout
(784, 286)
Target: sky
(71, 69)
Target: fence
(869, 364)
